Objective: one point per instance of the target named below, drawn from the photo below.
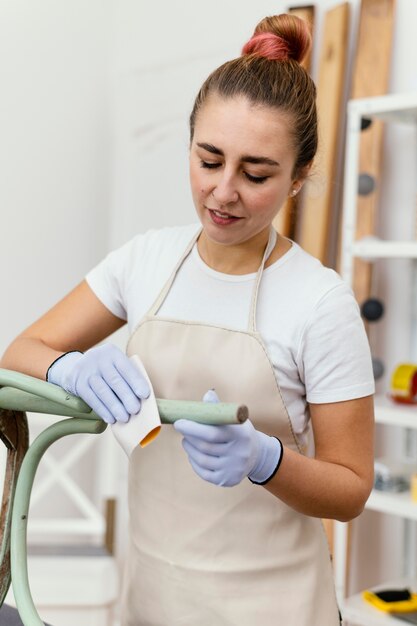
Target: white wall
(54, 158)
(161, 54)
(54, 152)
(95, 102)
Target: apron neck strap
(252, 316)
(270, 246)
(163, 294)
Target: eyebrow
(245, 159)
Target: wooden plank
(329, 529)
(14, 433)
(328, 525)
(285, 221)
(110, 516)
(306, 13)
(313, 232)
(370, 78)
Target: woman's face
(241, 163)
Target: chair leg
(14, 433)
(20, 579)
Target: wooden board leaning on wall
(285, 221)
(370, 78)
(315, 221)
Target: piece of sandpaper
(143, 427)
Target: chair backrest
(20, 393)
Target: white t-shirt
(306, 314)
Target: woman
(229, 304)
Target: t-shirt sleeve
(129, 279)
(334, 355)
(108, 279)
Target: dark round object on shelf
(377, 368)
(365, 123)
(372, 309)
(366, 184)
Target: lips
(222, 219)
(223, 214)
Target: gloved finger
(207, 475)
(203, 460)
(106, 395)
(130, 373)
(120, 388)
(88, 395)
(206, 447)
(211, 396)
(208, 432)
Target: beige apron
(203, 555)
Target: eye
(209, 166)
(258, 180)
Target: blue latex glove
(225, 455)
(105, 378)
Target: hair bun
(280, 38)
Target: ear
(301, 176)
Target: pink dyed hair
(267, 45)
(280, 38)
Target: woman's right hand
(105, 378)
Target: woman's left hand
(225, 455)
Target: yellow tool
(404, 383)
(390, 601)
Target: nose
(225, 191)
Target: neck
(241, 258)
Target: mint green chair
(20, 394)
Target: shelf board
(399, 107)
(391, 413)
(370, 249)
(357, 612)
(399, 504)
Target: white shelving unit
(356, 611)
(362, 613)
(389, 413)
(394, 107)
(400, 108)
